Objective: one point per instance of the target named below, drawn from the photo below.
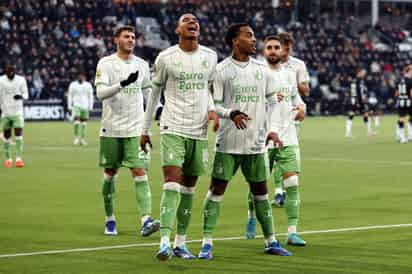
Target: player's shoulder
(168, 51)
(19, 78)
(296, 61)
(207, 50)
(224, 64)
(107, 60)
(258, 63)
(140, 60)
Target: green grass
(54, 203)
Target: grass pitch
(54, 203)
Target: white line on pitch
(49, 252)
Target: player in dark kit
(358, 102)
(404, 103)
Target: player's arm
(303, 80)
(104, 89)
(146, 84)
(158, 84)
(299, 106)
(273, 122)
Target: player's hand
(18, 97)
(280, 96)
(239, 119)
(212, 115)
(130, 79)
(273, 136)
(145, 143)
(300, 113)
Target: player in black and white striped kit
(404, 103)
(358, 102)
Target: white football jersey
(281, 117)
(184, 79)
(123, 113)
(80, 95)
(299, 67)
(8, 89)
(241, 86)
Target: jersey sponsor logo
(245, 94)
(259, 75)
(191, 81)
(205, 64)
(131, 89)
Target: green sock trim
(211, 212)
(184, 213)
(168, 208)
(7, 150)
(108, 191)
(292, 205)
(264, 216)
(143, 197)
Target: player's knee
(291, 181)
(7, 134)
(173, 174)
(365, 119)
(258, 189)
(138, 172)
(351, 115)
(110, 172)
(218, 187)
(189, 181)
(18, 132)
(109, 176)
(401, 123)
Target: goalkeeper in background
(13, 90)
(80, 102)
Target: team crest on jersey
(205, 64)
(259, 75)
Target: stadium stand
(48, 40)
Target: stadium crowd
(49, 40)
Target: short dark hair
(120, 29)
(286, 38)
(233, 32)
(270, 38)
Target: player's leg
(195, 164)
(110, 155)
(255, 168)
(279, 198)
(84, 117)
(224, 167)
(172, 154)
(349, 122)
(18, 133)
(5, 125)
(138, 161)
(76, 127)
(367, 122)
(401, 128)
